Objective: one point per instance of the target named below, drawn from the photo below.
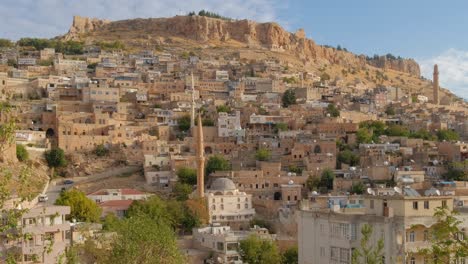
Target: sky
(430, 31)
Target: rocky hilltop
(247, 33)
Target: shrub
(21, 153)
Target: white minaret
(192, 118)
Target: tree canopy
(217, 163)
(333, 110)
(184, 123)
(82, 208)
(326, 179)
(55, 158)
(447, 135)
(263, 154)
(255, 250)
(368, 253)
(289, 98)
(187, 175)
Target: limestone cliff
(248, 33)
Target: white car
(43, 198)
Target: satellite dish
(397, 189)
(314, 193)
(352, 168)
(385, 163)
(370, 191)
(437, 192)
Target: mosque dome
(223, 184)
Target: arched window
(412, 260)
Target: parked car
(68, 182)
(43, 198)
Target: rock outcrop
(246, 32)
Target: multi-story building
(48, 235)
(229, 125)
(330, 231)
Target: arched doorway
(50, 133)
(277, 196)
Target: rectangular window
(415, 205)
(426, 204)
(371, 204)
(444, 203)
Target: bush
(447, 135)
(223, 108)
(21, 153)
(101, 150)
(187, 175)
(55, 158)
(289, 98)
(263, 154)
(184, 123)
(217, 163)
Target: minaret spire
(192, 118)
(200, 160)
(435, 84)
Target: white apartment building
(229, 125)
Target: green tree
(327, 178)
(348, 157)
(447, 135)
(82, 208)
(358, 188)
(290, 256)
(364, 135)
(143, 240)
(332, 110)
(281, 127)
(325, 77)
(21, 152)
(223, 109)
(206, 122)
(182, 191)
(263, 154)
(55, 158)
(187, 175)
(397, 131)
(423, 134)
(110, 222)
(448, 243)
(295, 169)
(217, 163)
(312, 183)
(289, 98)
(101, 150)
(390, 111)
(6, 43)
(457, 173)
(184, 123)
(368, 253)
(255, 250)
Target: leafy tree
(348, 157)
(207, 122)
(327, 178)
(187, 175)
(101, 150)
(332, 110)
(263, 154)
(115, 45)
(6, 43)
(110, 222)
(368, 253)
(217, 163)
(358, 188)
(397, 131)
(290, 256)
(325, 77)
(447, 135)
(55, 158)
(21, 152)
(423, 134)
(82, 208)
(262, 223)
(290, 80)
(295, 169)
(448, 244)
(281, 127)
(390, 111)
(457, 173)
(143, 240)
(182, 191)
(364, 135)
(312, 183)
(223, 108)
(289, 98)
(184, 123)
(254, 250)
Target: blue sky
(428, 30)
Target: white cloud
(49, 18)
(453, 70)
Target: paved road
(55, 187)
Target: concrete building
(46, 227)
(330, 231)
(230, 125)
